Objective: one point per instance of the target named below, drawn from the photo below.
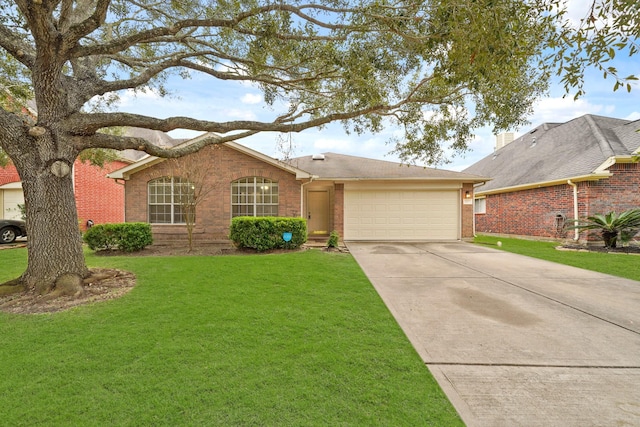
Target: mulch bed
(104, 284)
(631, 249)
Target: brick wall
(618, 193)
(531, 212)
(213, 214)
(467, 211)
(338, 209)
(534, 212)
(98, 198)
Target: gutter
(595, 176)
(576, 232)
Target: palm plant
(612, 226)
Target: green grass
(298, 339)
(616, 264)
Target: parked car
(10, 229)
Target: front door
(318, 212)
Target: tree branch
(141, 144)
(155, 34)
(17, 46)
(88, 25)
(88, 124)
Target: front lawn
(267, 340)
(616, 264)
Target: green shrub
(264, 233)
(612, 226)
(334, 239)
(127, 237)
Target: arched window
(254, 196)
(170, 200)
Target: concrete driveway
(512, 340)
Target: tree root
(11, 287)
(68, 285)
(100, 285)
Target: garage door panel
(12, 198)
(401, 215)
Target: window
(254, 196)
(169, 198)
(481, 206)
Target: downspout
(576, 232)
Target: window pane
(160, 214)
(254, 196)
(178, 215)
(266, 210)
(242, 210)
(166, 196)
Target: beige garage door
(11, 198)
(401, 215)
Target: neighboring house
(362, 199)
(10, 193)
(558, 172)
(98, 198)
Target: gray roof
(553, 152)
(156, 137)
(344, 167)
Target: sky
(202, 97)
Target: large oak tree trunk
(56, 260)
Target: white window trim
(477, 204)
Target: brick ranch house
(362, 199)
(558, 172)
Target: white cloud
(557, 110)
(131, 97)
(633, 116)
(339, 144)
(236, 113)
(251, 98)
(577, 10)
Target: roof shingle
(345, 167)
(559, 151)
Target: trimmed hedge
(264, 233)
(127, 237)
